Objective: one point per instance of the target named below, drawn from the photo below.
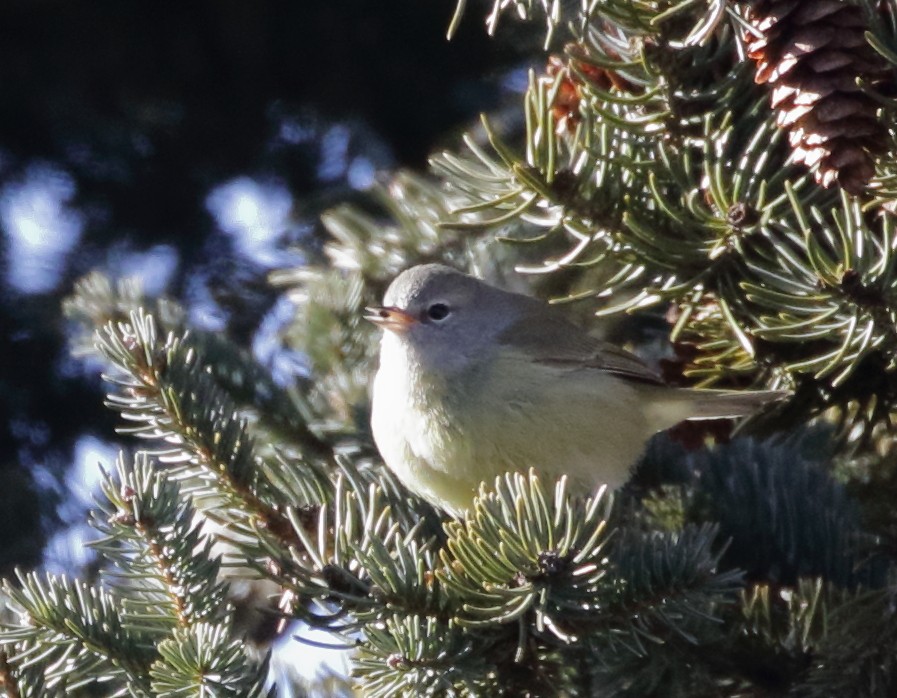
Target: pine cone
(579, 75)
(812, 52)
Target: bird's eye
(438, 311)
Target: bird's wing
(551, 339)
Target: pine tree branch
(162, 558)
(76, 632)
(171, 397)
(160, 626)
(203, 659)
(96, 303)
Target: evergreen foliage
(649, 175)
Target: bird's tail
(672, 406)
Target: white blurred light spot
(68, 552)
(40, 226)
(516, 80)
(83, 478)
(334, 153)
(268, 347)
(255, 216)
(203, 310)
(154, 267)
(292, 658)
(361, 173)
(294, 132)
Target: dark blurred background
(192, 144)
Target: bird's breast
(444, 435)
(417, 421)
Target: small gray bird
(475, 382)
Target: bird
(475, 381)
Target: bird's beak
(390, 318)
